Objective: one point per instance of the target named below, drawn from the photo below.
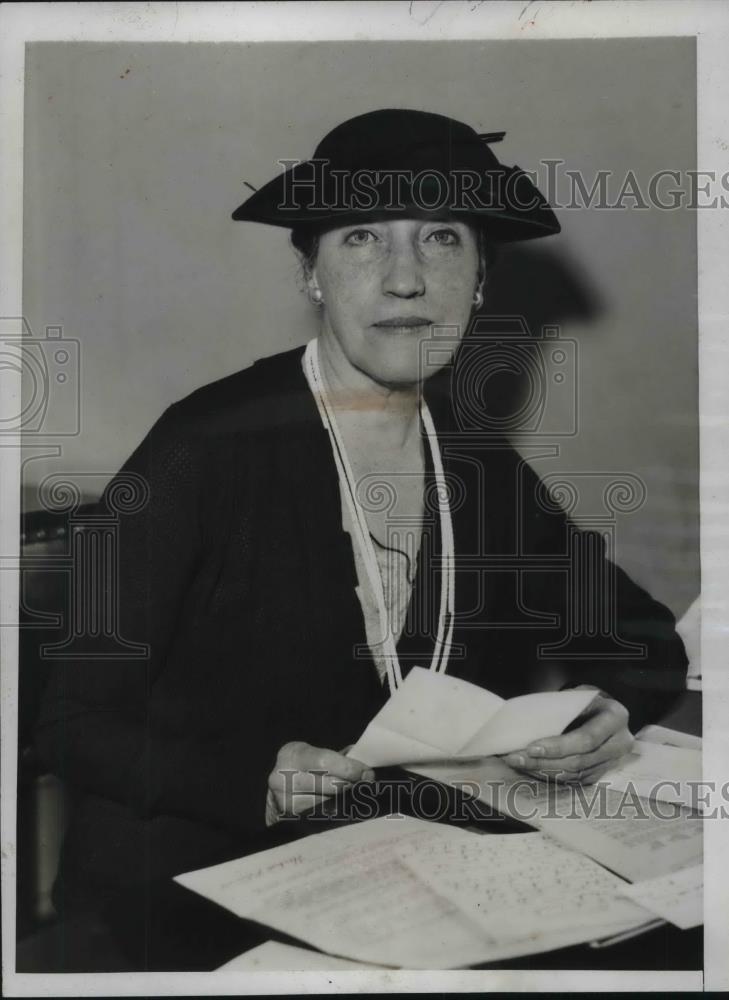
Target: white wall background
(135, 156)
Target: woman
(279, 602)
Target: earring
(315, 295)
(478, 298)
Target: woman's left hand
(585, 752)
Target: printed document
(434, 716)
(523, 885)
(633, 837)
(656, 771)
(677, 898)
(346, 892)
(388, 892)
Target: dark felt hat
(396, 162)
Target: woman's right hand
(304, 775)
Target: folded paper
(434, 716)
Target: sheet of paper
(435, 717)
(430, 716)
(347, 892)
(656, 771)
(514, 895)
(669, 737)
(678, 898)
(636, 846)
(522, 720)
(633, 837)
(518, 886)
(272, 956)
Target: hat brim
(507, 205)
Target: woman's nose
(403, 274)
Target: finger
(302, 803)
(560, 777)
(608, 752)
(585, 777)
(304, 757)
(294, 805)
(291, 781)
(593, 774)
(613, 748)
(609, 718)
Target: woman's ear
(305, 247)
(312, 285)
(487, 258)
(482, 272)
(483, 262)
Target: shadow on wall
(531, 296)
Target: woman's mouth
(403, 323)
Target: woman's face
(385, 285)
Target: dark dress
(237, 576)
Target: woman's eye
(446, 237)
(360, 237)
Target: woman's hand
(305, 775)
(584, 753)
